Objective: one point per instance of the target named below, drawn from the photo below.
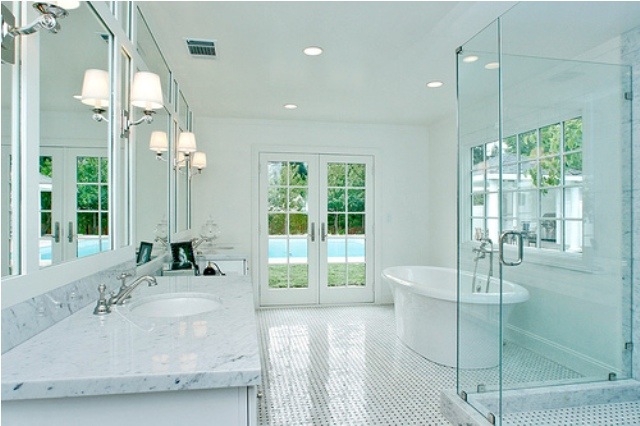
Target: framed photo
(182, 255)
(144, 252)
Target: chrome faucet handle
(102, 307)
(123, 276)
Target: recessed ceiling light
(434, 84)
(290, 106)
(470, 58)
(492, 66)
(313, 51)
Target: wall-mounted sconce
(146, 93)
(95, 92)
(199, 161)
(50, 14)
(187, 143)
(159, 144)
(187, 155)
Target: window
(542, 186)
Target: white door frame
(316, 292)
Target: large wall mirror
(10, 162)
(75, 158)
(152, 182)
(153, 153)
(182, 171)
(75, 170)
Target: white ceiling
(377, 58)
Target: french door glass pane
(288, 222)
(46, 204)
(346, 239)
(92, 205)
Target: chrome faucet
(481, 253)
(126, 290)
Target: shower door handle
(313, 232)
(518, 236)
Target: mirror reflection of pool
(86, 247)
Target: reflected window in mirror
(75, 86)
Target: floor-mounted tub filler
(425, 301)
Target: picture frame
(182, 254)
(144, 252)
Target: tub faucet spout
(481, 253)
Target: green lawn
(298, 275)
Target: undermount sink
(172, 305)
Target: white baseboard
(576, 361)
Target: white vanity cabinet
(133, 369)
(209, 407)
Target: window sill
(580, 262)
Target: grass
(340, 274)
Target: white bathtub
(426, 314)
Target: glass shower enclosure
(544, 226)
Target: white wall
(226, 187)
(443, 189)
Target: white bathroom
(327, 213)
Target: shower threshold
(601, 403)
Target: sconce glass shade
(187, 142)
(199, 160)
(146, 92)
(158, 142)
(95, 88)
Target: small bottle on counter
(209, 270)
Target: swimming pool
(337, 248)
(86, 247)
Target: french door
(74, 203)
(316, 229)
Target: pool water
(337, 247)
(86, 247)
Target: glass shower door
(544, 177)
(479, 221)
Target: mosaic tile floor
(345, 366)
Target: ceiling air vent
(202, 48)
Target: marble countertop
(122, 353)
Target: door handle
(313, 232)
(70, 235)
(518, 236)
(56, 232)
(323, 232)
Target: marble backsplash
(24, 320)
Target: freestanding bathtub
(425, 300)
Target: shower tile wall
(631, 56)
